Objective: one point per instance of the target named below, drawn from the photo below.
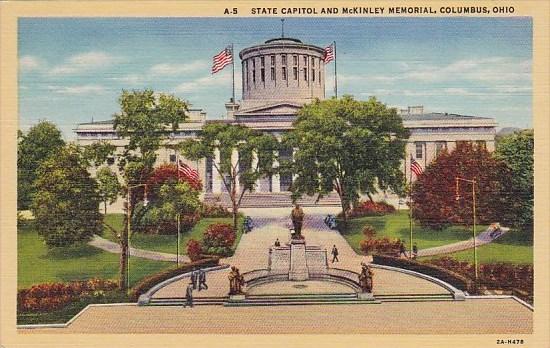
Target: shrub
(214, 211)
(188, 221)
(384, 246)
(52, 296)
(194, 250)
(148, 282)
(368, 231)
(370, 208)
(218, 239)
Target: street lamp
(457, 198)
(129, 218)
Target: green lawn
(36, 264)
(397, 226)
(508, 248)
(505, 249)
(167, 243)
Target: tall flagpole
(410, 211)
(335, 73)
(233, 68)
(178, 216)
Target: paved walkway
(473, 316)
(112, 247)
(482, 238)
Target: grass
(38, 264)
(397, 226)
(167, 243)
(509, 248)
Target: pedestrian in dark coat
(334, 254)
(194, 279)
(188, 296)
(402, 250)
(202, 280)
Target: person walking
(415, 251)
(202, 280)
(334, 254)
(188, 296)
(277, 243)
(194, 279)
(297, 216)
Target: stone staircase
(271, 200)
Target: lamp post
(473, 182)
(129, 218)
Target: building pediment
(284, 108)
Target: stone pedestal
(237, 298)
(298, 264)
(365, 296)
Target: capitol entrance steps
(270, 200)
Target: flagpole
(233, 69)
(410, 211)
(335, 73)
(178, 216)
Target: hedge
(148, 282)
(455, 279)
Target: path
(112, 247)
(481, 239)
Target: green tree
(109, 187)
(517, 151)
(97, 153)
(66, 203)
(255, 157)
(42, 140)
(144, 119)
(353, 147)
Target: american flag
(415, 167)
(189, 174)
(225, 57)
(329, 53)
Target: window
(482, 144)
(440, 146)
(283, 58)
(284, 72)
(285, 155)
(312, 61)
(272, 60)
(172, 158)
(272, 73)
(110, 160)
(295, 60)
(419, 149)
(305, 74)
(312, 74)
(253, 63)
(319, 76)
(254, 76)
(262, 61)
(305, 60)
(262, 74)
(295, 73)
(208, 185)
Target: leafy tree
(434, 192)
(517, 151)
(353, 147)
(144, 119)
(237, 176)
(42, 140)
(66, 203)
(97, 153)
(109, 187)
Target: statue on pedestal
(365, 278)
(297, 217)
(236, 281)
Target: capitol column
(254, 164)
(276, 178)
(216, 178)
(235, 164)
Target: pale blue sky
(71, 70)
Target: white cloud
(84, 62)
(77, 90)
(29, 63)
(132, 79)
(221, 79)
(177, 69)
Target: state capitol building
(278, 78)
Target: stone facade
(271, 97)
